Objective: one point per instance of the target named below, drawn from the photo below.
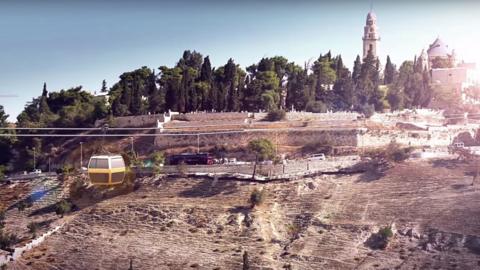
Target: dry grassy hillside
(329, 222)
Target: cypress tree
(104, 87)
(206, 70)
(44, 92)
(229, 82)
(357, 69)
(390, 72)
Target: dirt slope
(321, 223)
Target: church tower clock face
(370, 36)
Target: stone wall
(339, 137)
(205, 116)
(309, 116)
(433, 137)
(133, 121)
(407, 138)
(300, 137)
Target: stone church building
(446, 70)
(440, 60)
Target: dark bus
(191, 159)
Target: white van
(320, 156)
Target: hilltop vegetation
(273, 84)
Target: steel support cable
(171, 134)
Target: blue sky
(69, 43)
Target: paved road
(291, 167)
(29, 176)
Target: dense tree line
(66, 108)
(5, 143)
(194, 85)
(272, 83)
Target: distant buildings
(103, 96)
(446, 71)
(439, 60)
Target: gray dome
(438, 49)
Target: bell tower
(370, 35)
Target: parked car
(37, 171)
(191, 159)
(319, 156)
(231, 161)
(266, 162)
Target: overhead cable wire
(169, 134)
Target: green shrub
(111, 121)
(182, 169)
(293, 231)
(158, 157)
(275, 115)
(323, 145)
(22, 205)
(63, 207)
(130, 158)
(7, 240)
(262, 148)
(257, 197)
(77, 188)
(2, 220)
(33, 228)
(386, 232)
(2, 173)
(67, 169)
(394, 152)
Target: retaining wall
(338, 137)
(291, 167)
(133, 121)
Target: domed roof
(371, 16)
(438, 48)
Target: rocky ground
(327, 222)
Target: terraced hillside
(323, 223)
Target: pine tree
(296, 92)
(156, 98)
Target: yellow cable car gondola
(106, 170)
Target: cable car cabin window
(100, 163)
(117, 163)
(117, 177)
(99, 177)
